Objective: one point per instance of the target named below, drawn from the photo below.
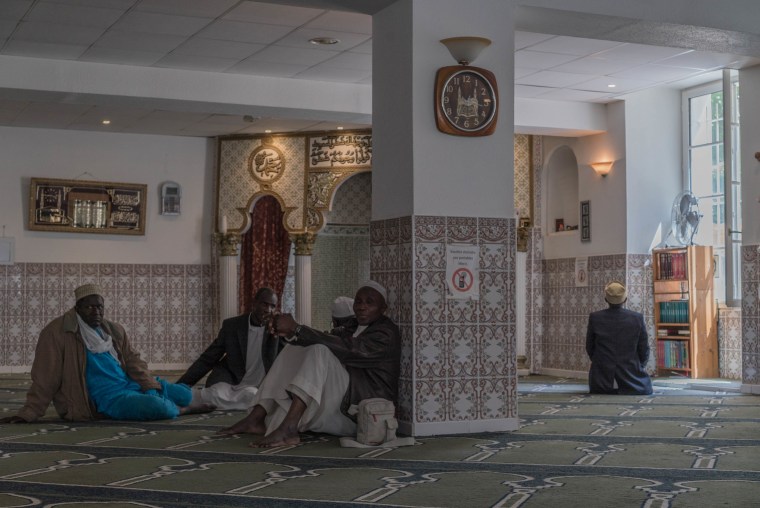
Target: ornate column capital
(304, 243)
(229, 243)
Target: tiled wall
(458, 356)
(750, 315)
(566, 307)
(167, 310)
(730, 342)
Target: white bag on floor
(376, 426)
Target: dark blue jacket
(617, 343)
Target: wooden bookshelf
(685, 313)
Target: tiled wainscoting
(565, 306)
(751, 316)
(167, 310)
(458, 360)
(730, 342)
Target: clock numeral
(446, 99)
(466, 78)
(448, 111)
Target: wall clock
(466, 101)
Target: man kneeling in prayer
(318, 376)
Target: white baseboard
(463, 427)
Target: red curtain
(263, 253)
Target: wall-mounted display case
(81, 206)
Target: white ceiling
(266, 39)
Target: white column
(228, 288)
(303, 289)
(228, 274)
(304, 244)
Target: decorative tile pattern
(523, 173)
(730, 342)
(460, 350)
(167, 310)
(750, 315)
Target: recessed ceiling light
(106, 122)
(340, 128)
(324, 41)
(268, 131)
(611, 85)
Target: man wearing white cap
(318, 376)
(85, 365)
(343, 318)
(618, 346)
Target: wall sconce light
(602, 168)
(465, 49)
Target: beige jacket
(58, 371)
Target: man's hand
(284, 325)
(12, 419)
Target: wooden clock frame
(442, 122)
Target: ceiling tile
(552, 79)
(217, 48)
(240, 31)
(55, 33)
(121, 56)
(14, 9)
(294, 56)
(105, 4)
(702, 60)
(567, 94)
(520, 72)
(147, 22)
(526, 92)
(593, 65)
(279, 125)
(573, 46)
(348, 60)
(639, 53)
(539, 60)
(526, 39)
(272, 14)
(300, 39)
(139, 41)
(656, 72)
(8, 105)
(198, 8)
(46, 12)
(365, 47)
(7, 26)
(621, 85)
(342, 22)
(43, 49)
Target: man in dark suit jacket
(617, 343)
(236, 371)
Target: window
(711, 145)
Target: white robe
(314, 375)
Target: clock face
(466, 101)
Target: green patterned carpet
(677, 448)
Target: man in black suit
(238, 359)
(617, 344)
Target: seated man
(343, 318)
(238, 359)
(617, 344)
(318, 376)
(86, 366)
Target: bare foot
(279, 437)
(248, 425)
(195, 409)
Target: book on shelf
(675, 311)
(672, 354)
(672, 265)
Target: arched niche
(561, 170)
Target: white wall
(653, 164)
(606, 194)
(749, 85)
(128, 158)
(450, 175)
